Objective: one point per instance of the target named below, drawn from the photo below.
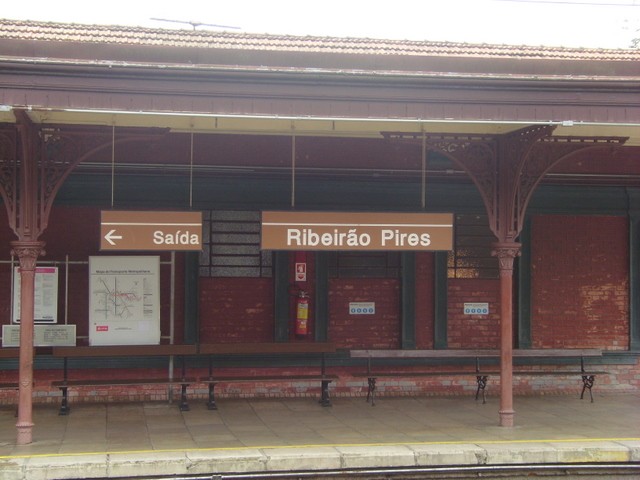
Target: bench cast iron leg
(64, 406)
(324, 396)
(211, 404)
(371, 391)
(587, 383)
(184, 405)
(482, 383)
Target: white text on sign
(356, 231)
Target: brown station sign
(150, 230)
(356, 231)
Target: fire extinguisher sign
(301, 272)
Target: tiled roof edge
(144, 36)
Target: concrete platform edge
(317, 458)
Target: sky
(568, 23)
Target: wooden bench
(10, 386)
(123, 351)
(10, 352)
(588, 376)
(480, 372)
(317, 349)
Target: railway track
(599, 471)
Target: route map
(124, 300)
(118, 298)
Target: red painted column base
(24, 433)
(507, 418)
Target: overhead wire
(579, 3)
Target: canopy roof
(203, 81)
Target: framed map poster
(124, 300)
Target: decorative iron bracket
(35, 160)
(507, 168)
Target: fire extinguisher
(302, 313)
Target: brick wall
(241, 309)
(236, 310)
(580, 282)
(579, 298)
(425, 316)
(473, 331)
(381, 330)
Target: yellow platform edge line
(328, 445)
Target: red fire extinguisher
(302, 313)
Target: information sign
(43, 335)
(301, 272)
(45, 297)
(476, 308)
(362, 308)
(150, 230)
(355, 231)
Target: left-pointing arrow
(110, 237)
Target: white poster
(124, 300)
(45, 295)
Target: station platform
(280, 435)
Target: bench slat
(557, 352)
(265, 348)
(14, 352)
(9, 352)
(269, 378)
(479, 353)
(443, 373)
(121, 382)
(124, 350)
(417, 374)
(558, 372)
(423, 353)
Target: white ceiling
(278, 125)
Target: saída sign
(150, 230)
